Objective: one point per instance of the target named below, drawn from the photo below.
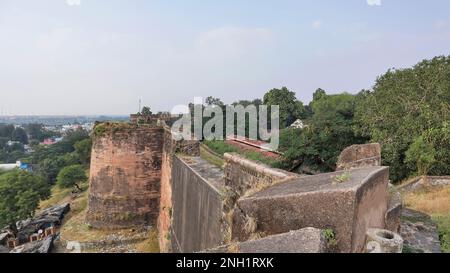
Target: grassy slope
(435, 202)
(59, 196)
(74, 227)
(222, 147)
(211, 158)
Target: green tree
(35, 131)
(20, 193)
(214, 101)
(329, 131)
(74, 136)
(146, 111)
(71, 176)
(291, 108)
(422, 154)
(6, 130)
(83, 149)
(38, 133)
(50, 167)
(430, 153)
(320, 93)
(404, 104)
(20, 135)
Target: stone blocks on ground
(41, 247)
(350, 208)
(359, 156)
(307, 240)
(419, 232)
(394, 212)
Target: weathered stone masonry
(125, 177)
(141, 176)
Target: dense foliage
(291, 108)
(329, 131)
(20, 193)
(71, 176)
(408, 110)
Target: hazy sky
(102, 56)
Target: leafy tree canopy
(291, 108)
(146, 111)
(404, 104)
(328, 132)
(71, 176)
(20, 193)
(83, 150)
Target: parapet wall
(125, 176)
(170, 148)
(245, 176)
(198, 219)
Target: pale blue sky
(102, 56)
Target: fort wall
(198, 219)
(141, 176)
(125, 176)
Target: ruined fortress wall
(394, 211)
(349, 208)
(165, 210)
(197, 205)
(282, 213)
(243, 175)
(125, 176)
(372, 201)
(170, 148)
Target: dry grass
(211, 158)
(60, 195)
(430, 201)
(151, 245)
(435, 202)
(250, 225)
(233, 248)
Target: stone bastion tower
(125, 175)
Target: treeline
(407, 111)
(64, 164)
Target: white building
(298, 124)
(10, 167)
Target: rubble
(419, 233)
(307, 240)
(43, 246)
(50, 217)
